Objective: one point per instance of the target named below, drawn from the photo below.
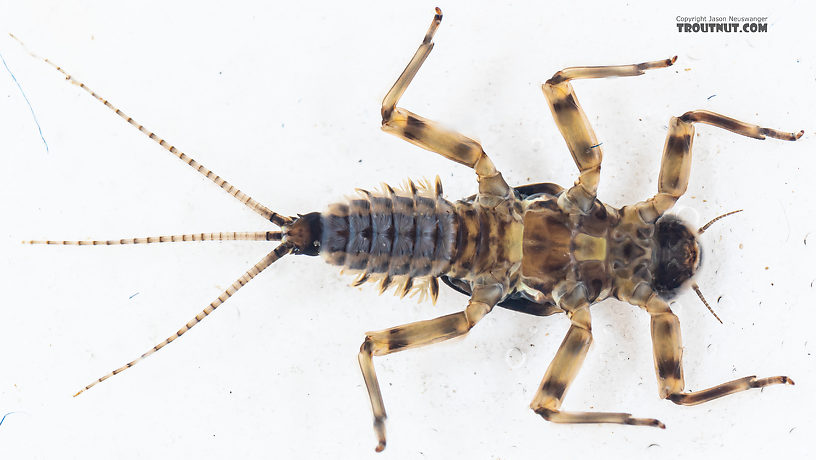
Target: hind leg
(675, 167)
(414, 335)
(565, 366)
(430, 135)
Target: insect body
(538, 249)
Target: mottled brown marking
(677, 147)
(414, 123)
(563, 105)
(546, 247)
(593, 274)
(483, 247)
(670, 369)
(396, 345)
(555, 388)
(462, 150)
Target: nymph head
(676, 257)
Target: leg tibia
(396, 91)
(631, 70)
(734, 386)
(597, 417)
(374, 394)
(736, 126)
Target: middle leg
(575, 127)
(565, 366)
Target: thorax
(608, 250)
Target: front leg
(430, 135)
(668, 352)
(675, 166)
(418, 334)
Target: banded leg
(668, 352)
(430, 135)
(576, 130)
(675, 167)
(564, 368)
(416, 335)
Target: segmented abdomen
(397, 237)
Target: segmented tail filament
(269, 215)
(222, 236)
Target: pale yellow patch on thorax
(589, 247)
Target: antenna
(705, 227)
(700, 294)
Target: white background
(283, 102)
